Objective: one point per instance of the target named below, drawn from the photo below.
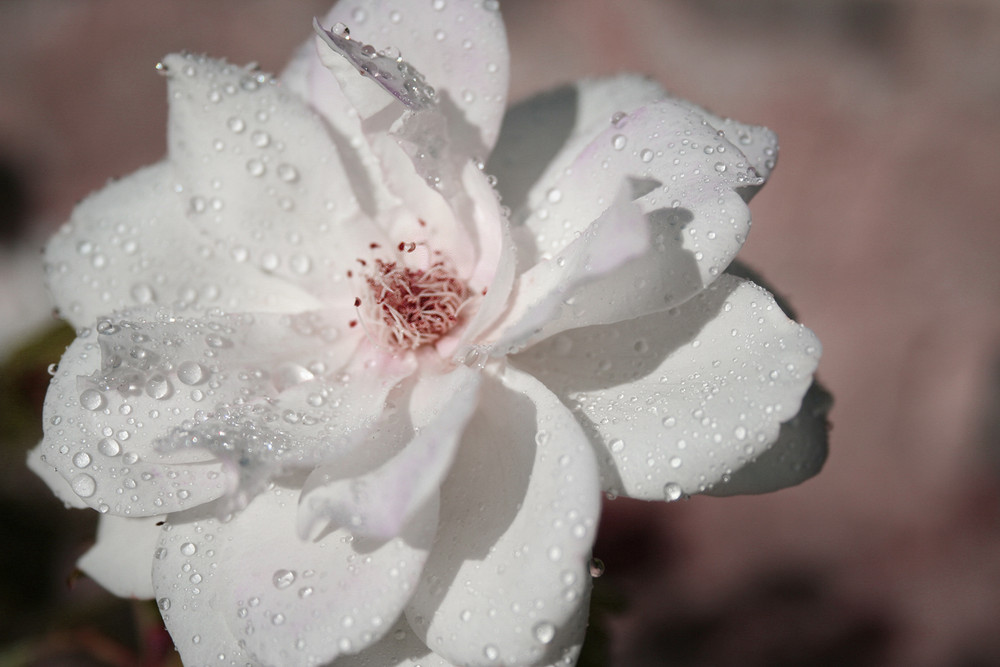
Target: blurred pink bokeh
(881, 225)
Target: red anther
(357, 301)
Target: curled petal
(461, 49)
(380, 504)
(121, 559)
(682, 174)
(521, 499)
(678, 401)
(131, 245)
(284, 600)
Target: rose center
(405, 308)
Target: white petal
(518, 517)
(399, 648)
(544, 134)
(288, 601)
(262, 175)
(58, 484)
(548, 297)
(459, 46)
(797, 454)
(379, 504)
(122, 558)
(678, 401)
(681, 173)
(153, 414)
(131, 244)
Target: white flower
(334, 406)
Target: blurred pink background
(881, 225)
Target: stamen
(409, 307)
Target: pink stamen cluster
(412, 307)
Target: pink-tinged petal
(122, 559)
(679, 401)
(542, 135)
(58, 484)
(684, 176)
(285, 600)
(130, 244)
(152, 414)
(548, 295)
(460, 47)
(262, 175)
(380, 504)
(798, 454)
(519, 510)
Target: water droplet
(555, 553)
(278, 619)
(646, 155)
(305, 592)
(190, 372)
(158, 387)
(109, 447)
(617, 445)
(554, 195)
(91, 399)
(81, 459)
(545, 632)
(287, 173)
(438, 5)
(740, 432)
(236, 124)
(672, 491)
(720, 167)
(84, 485)
(189, 548)
(163, 604)
(617, 118)
(619, 141)
(669, 422)
(260, 139)
(675, 462)
(283, 578)
(491, 652)
(596, 567)
(255, 167)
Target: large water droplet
(109, 447)
(84, 485)
(91, 399)
(283, 578)
(190, 372)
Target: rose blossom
(336, 400)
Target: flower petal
(58, 484)
(460, 47)
(379, 504)
(798, 454)
(680, 400)
(154, 414)
(263, 177)
(130, 244)
(121, 560)
(548, 294)
(287, 601)
(518, 516)
(544, 134)
(682, 174)
(402, 648)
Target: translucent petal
(288, 601)
(122, 559)
(131, 244)
(155, 413)
(461, 49)
(678, 401)
(518, 517)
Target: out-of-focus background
(881, 225)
